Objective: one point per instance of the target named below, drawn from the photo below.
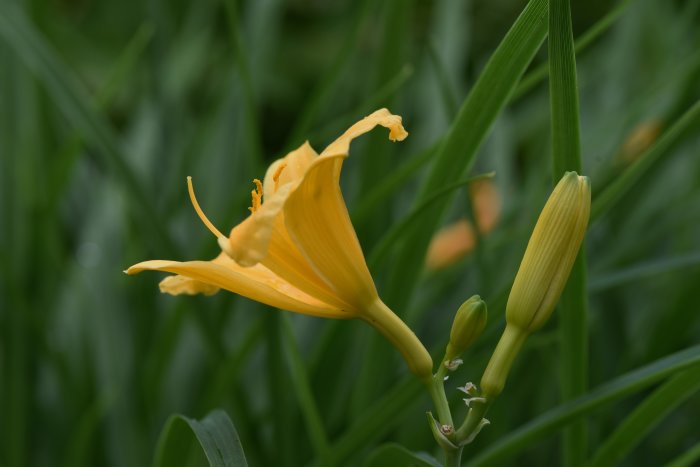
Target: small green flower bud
(550, 254)
(467, 326)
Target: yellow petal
(318, 222)
(381, 117)
(291, 168)
(250, 239)
(257, 283)
(176, 285)
(284, 259)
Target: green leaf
(390, 184)
(216, 435)
(645, 417)
(652, 268)
(561, 416)
(536, 76)
(480, 109)
(687, 459)
(563, 91)
(566, 156)
(393, 454)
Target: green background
(106, 107)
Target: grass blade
(566, 156)
(390, 184)
(687, 459)
(536, 76)
(643, 270)
(561, 416)
(480, 109)
(216, 435)
(645, 417)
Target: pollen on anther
(256, 196)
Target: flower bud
(548, 260)
(467, 326)
(550, 254)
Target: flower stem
(437, 393)
(474, 416)
(453, 458)
(402, 337)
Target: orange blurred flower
(456, 240)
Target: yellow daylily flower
(297, 250)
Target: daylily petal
(290, 168)
(263, 238)
(380, 117)
(176, 285)
(317, 219)
(324, 233)
(257, 283)
(249, 240)
(284, 259)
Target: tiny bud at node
(468, 324)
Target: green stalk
(453, 458)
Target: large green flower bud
(543, 272)
(550, 254)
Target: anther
(256, 196)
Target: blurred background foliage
(107, 106)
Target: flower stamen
(199, 211)
(256, 196)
